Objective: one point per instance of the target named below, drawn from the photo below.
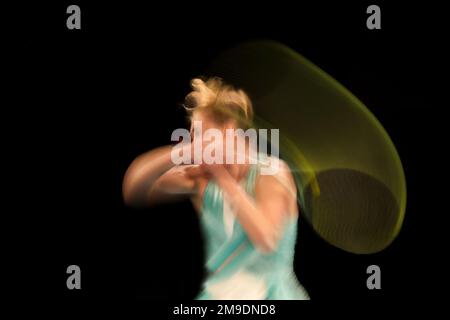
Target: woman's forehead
(202, 117)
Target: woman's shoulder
(277, 181)
(273, 170)
(269, 165)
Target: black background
(90, 100)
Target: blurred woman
(249, 219)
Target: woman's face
(206, 122)
(201, 123)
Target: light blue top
(236, 269)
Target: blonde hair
(220, 100)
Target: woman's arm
(153, 177)
(262, 217)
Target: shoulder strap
(251, 179)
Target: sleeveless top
(236, 269)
